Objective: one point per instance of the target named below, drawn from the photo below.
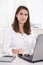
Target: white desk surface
(18, 61)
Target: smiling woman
(22, 20)
(19, 39)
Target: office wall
(8, 8)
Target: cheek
(21, 18)
(18, 17)
(26, 18)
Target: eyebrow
(25, 13)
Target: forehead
(23, 11)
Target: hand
(20, 51)
(15, 51)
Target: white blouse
(14, 40)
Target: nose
(23, 15)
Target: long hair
(15, 24)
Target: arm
(33, 44)
(9, 48)
(29, 45)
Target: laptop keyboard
(26, 56)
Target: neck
(21, 28)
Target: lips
(23, 19)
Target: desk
(18, 61)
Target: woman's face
(22, 16)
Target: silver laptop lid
(38, 52)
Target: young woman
(19, 39)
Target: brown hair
(15, 24)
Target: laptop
(38, 51)
(7, 58)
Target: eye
(21, 13)
(26, 14)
